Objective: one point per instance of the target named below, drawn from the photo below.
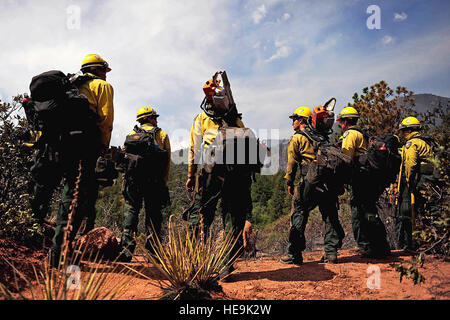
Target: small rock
(99, 242)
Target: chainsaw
(322, 118)
(218, 101)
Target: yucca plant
(188, 259)
(68, 282)
(213, 258)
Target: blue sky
(279, 54)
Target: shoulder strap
(138, 129)
(80, 78)
(357, 129)
(428, 140)
(315, 140)
(304, 134)
(362, 131)
(155, 129)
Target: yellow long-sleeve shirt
(300, 152)
(100, 95)
(163, 142)
(353, 143)
(203, 132)
(414, 152)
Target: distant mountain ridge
(428, 101)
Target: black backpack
(382, 159)
(237, 149)
(332, 166)
(61, 113)
(143, 157)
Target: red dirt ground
(265, 278)
(268, 279)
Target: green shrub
(16, 220)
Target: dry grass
(68, 281)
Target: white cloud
(400, 16)
(324, 73)
(259, 14)
(387, 39)
(283, 51)
(161, 54)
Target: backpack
(61, 113)
(382, 159)
(332, 166)
(237, 149)
(106, 171)
(143, 157)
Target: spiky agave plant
(68, 282)
(213, 258)
(188, 259)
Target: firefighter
(91, 82)
(354, 144)
(146, 184)
(210, 185)
(302, 151)
(368, 229)
(415, 171)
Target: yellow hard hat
(348, 112)
(409, 122)
(146, 112)
(94, 60)
(304, 112)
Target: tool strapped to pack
(237, 149)
(218, 102)
(62, 114)
(143, 157)
(331, 166)
(229, 116)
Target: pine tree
(382, 108)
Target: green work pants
(403, 218)
(234, 191)
(368, 229)
(306, 198)
(151, 193)
(86, 198)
